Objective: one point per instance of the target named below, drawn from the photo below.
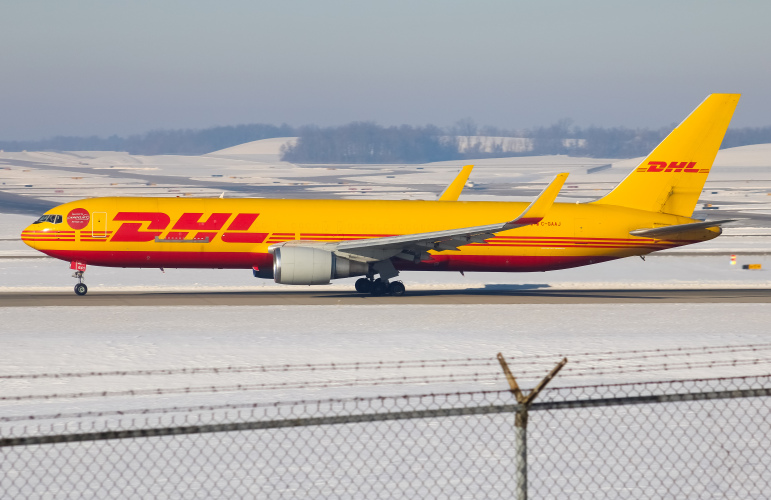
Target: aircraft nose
(28, 236)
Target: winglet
(452, 193)
(540, 206)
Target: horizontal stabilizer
(452, 193)
(537, 210)
(658, 232)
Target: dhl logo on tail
(662, 166)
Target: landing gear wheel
(363, 285)
(379, 287)
(396, 288)
(81, 289)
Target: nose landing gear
(80, 268)
(80, 288)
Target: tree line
(159, 142)
(368, 142)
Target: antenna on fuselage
(222, 195)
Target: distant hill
(367, 142)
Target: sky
(104, 67)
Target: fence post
(520, 419)
(520, 435)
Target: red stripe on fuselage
(568, 245)
(47, 239)
(528, 220)
(26, 231)
(342, 235)
(244, 237)
(247, 260)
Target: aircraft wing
(663, 232)
(415, 246)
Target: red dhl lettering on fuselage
(189, 227)
(674, 166)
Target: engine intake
(298, 265)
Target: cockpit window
(53, 219)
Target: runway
(433, 297)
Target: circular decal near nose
(78, 218)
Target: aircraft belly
(503, 263)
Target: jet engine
(298, 265)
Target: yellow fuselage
(236, 233)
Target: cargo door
(99, 224)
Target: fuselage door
(99, 225)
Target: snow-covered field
(741, 177)
(82, 339)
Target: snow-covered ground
(82, 339)
(573, 454)
(740, 176)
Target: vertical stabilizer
(671, 178)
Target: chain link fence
(704, 438)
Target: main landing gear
(80, 288)
(378, 287)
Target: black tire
(363, 285)
(379, 287)
(396, 288)
(81, 289)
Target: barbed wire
(343, 401)
(322, 384)
(400, 380)
(409, 364)
(352, 366)
(685, 365)
(237, 406)
(668, 352)
(667, 355)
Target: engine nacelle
(298, 265)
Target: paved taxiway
(433, 297)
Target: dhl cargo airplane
(309, 242)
